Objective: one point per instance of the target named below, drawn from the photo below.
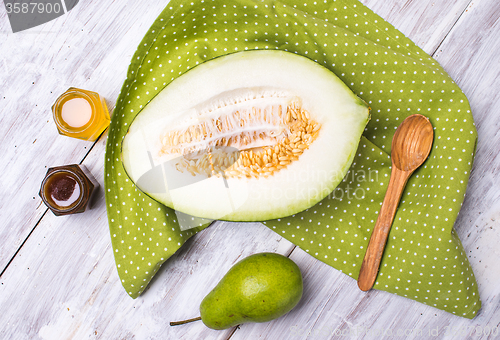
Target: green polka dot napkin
(424, 259)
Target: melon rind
(342, 115)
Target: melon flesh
(250, 136)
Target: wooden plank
(426, 22)
(338, 309)
(22, 135)
(470, 56)
(36, 66)
(63, 283)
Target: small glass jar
(68, 189)
(81, 114)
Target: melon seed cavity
(243, 133)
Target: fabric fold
(424, 259)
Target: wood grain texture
(426, 22)
(62, 284)
(375, 249)
(411, 146)
(79, 49)
(470, 55)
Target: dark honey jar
(68, 189)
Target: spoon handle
(373, 256)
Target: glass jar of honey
(68, 189)
(81, 114)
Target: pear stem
(176, 323)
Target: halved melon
(249, 136)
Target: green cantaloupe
(249, 136)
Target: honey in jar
(81, 114)
(68, 189)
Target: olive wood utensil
(411, 146)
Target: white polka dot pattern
(424, 259)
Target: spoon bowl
(411, 146)
(412, 143)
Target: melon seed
(268, 140)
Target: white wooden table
(58, 277)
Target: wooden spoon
(411, 146)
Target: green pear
(259, 288)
